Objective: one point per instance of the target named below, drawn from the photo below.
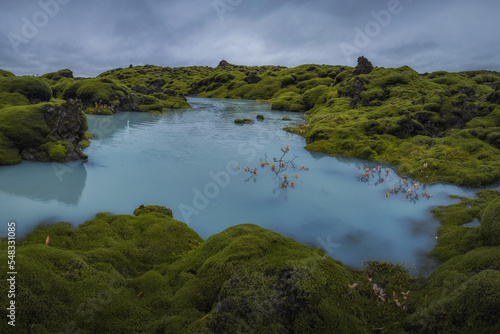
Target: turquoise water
(187, 160)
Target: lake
(188, 160)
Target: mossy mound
(248, 278)
(462, 295)
(100, 91)
(151, 273)
(34, 89)
(12, 100)
(153, 208)
(84, 278)
(289, 101)
(490, 223)
(25, 126)
(56, 76)
(454, 237)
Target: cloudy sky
(92, 36)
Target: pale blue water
(170, 160)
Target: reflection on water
(188, 159)
(44, 182)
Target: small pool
(188, 160)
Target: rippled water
(187, 160)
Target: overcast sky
(92, 36)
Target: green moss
(12, 99)
(153, 208)
(59, 86)
(314, 96)
(454, 238)
(9, 153)
(461, 295)
(34, 89)
(98, 111)
(289, 101)
(86, 140)
(490, 223)
(101, 91)
(394, 79)
(243, 121)
(24, 125)
(57, 152)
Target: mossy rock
(35, 89)
(56, 76)
(250, 278)
(57, 152)
(153, 208)
(243, 121)
(85, 143)
(100, 91)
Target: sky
(93, 36)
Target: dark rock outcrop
(252, 79)
(68, 125)
(67, 121)
(364, 66)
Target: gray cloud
(92, 36)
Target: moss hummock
(454, 237)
